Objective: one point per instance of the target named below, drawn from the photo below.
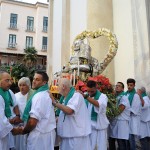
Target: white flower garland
(112, 48)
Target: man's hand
(139, 92)
(81, 93)
(52, 97)
(17, 131)
(16, 120)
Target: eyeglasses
(118, 85)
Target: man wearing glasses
(119, 127)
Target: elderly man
(7, 108)
(39, 116)
(119, 127)
(145, 119)
(74, 125)
(21, 99)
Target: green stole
(93, 113)
(29, 102)
(68, 97)
(30, 93)
(131, 95)
(119, 96)
(8, 101)
(143, 94)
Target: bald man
(9, 112)
(74, 125)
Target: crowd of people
(28, 120)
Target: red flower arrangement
(104, 86)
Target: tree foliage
(30, 57)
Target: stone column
(65, 32)
(99, 15)
(50, 40)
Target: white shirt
(77, 124)
(21, 101)
(5, 126)
(145, 110)
(125, 115)
(102, 121)
(43, 110)
(119, 127)
(135, 115)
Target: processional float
(81, 64)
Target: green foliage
(5, 68)
(112, 109)
(19, 71)
(30, 57)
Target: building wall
(63, 30)
(124, 60)
(23, 10)
(133, 56)
(125, 18)
(100, 15)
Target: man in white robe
(97, 103)
(119, 127)
(145, 119)
(40, 117)
(24, 85)
(5, 127)
(73, 125)
(135, 104)
(6, 111)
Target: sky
(33, 1)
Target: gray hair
(25, 80)
(65, 82)
(143, 89)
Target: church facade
(129, 20)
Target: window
(30, 23)
(13, 21)
(44, 43)
(45, 24)
(12, 41)
(29, 41)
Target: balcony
(45, 29)
(30, 29)
(13, 26)
(28, 46)
(12, 45)
(44, 48)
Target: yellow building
(23, 25)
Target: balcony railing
(44, 47)
(30, 28)
(12, 45)
(29, 46)
(13, 26)
(44, 28)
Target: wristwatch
(18, 115)
(86, 95)
(54, 103)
